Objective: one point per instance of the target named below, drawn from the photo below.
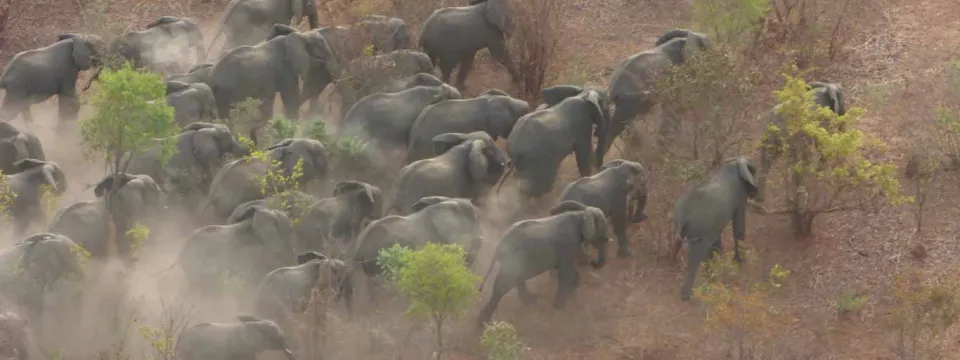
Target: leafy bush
(500, 341)
(348, 153)
(245, 119)
(828, 158)
(809, 31)
(279, 128)
(927, 306)
(392, 260)
(7, 197)
(730, 21)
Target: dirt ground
(630, 309)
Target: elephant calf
(231, 341)
(338, 220)
(191, 102)
(16, 145)
(199, 73)
(532, 247)
(612, 190)
(26, 188)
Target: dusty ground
(630, 309)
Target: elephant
(286, 292)
(260, 241)
(260, 71)
(828, 95)
(385, 119)
(620, 186)
(31, 269)
(369, 75)
(15, 339)
(435, 219)
(701, 215)
(100, 226)
(33, 76)
(454, 35)
(493, 112)
(201, 148)
(542, 139)
(16, 145)
(163, 46)
(531, 247)
(249, 22)
(239, 180)
(468, 165)
(191, 102)
(25, 189)
(418, 79)
(242, 340)
(199, 73)
(633, 85)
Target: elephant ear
(345, 186)
(27, 164)
(612, 164)
(281, 30)
(111, 182)
(589, 227)
(176, 86)
(497, 13)
(199, 67)
(309, 255)
(295, 54)
(494, 92)
(599, 117)
(444, 142)
(82, 53)
(500, 116)
(567, 205)
(555, 94)
(747, 171)
(163, 20)
(204, 146)
(426, 202)
(477, 162)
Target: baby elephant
(619, 187)
(532, 247)
(231, 341)
(191, 102)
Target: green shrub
(500, 341)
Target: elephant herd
(286, 242)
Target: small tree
(538, 30)
(730, 21)
(927, 306)
(437, 282)
(740, 307)
(828, 159)
(500, 340)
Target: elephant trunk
(601, 254)
(20, 142)
(639, 204)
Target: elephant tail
(223, 22)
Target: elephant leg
(290, 95)
(699, 250)
(626, 110)
(69, 108)
(446, 68)
(526, 297)
(13, 105)
(501, 287)
(567, 281)
(466, 65)
(619, 222)
(498, 50)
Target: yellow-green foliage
(130, 112)
(139, 233)
(244, 116)
(739, 306)
(729, 21)
(927, 306)
(6, 197)
(50, 200)
(276, 185)
(81, 254)
(161, 342)
(500, 341)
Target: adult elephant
(619, 190)
(25, 188)
(200, 150)
(136, 198)
(467, 165)
(493, 112)
(32, 268)
(285, 293)
(542, 139)
(260, 71)
(239, 181)
(244, 339)
(248, 22)
(16, 145)
(33, 76)
(633, 85)
(701, 214)
(191, 102)
(199, 73)
(260, 241)
(385, 119)
(165, 46)
(435, 219)
(454, 35)
(828, 95)
(369, 75)
(532, 247)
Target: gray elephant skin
(385, 119)
(164, 46)
(633, 85)
(239, 181)
(136, 198)
(369, 75)
(27, 188)
(17, 342)
(828, 95)
(16, 145)
(493, 112)
(199, 73)
(31, 268)
(436, 219)
(241, 340)
(285, 293)
(260, 241)
(531, 247)
(619, 187)
(454, 35)
(468, 165)
(191, 102)
(701, 214)
(260, 71)
(542, 139)
(249, 22)
(33, 76)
